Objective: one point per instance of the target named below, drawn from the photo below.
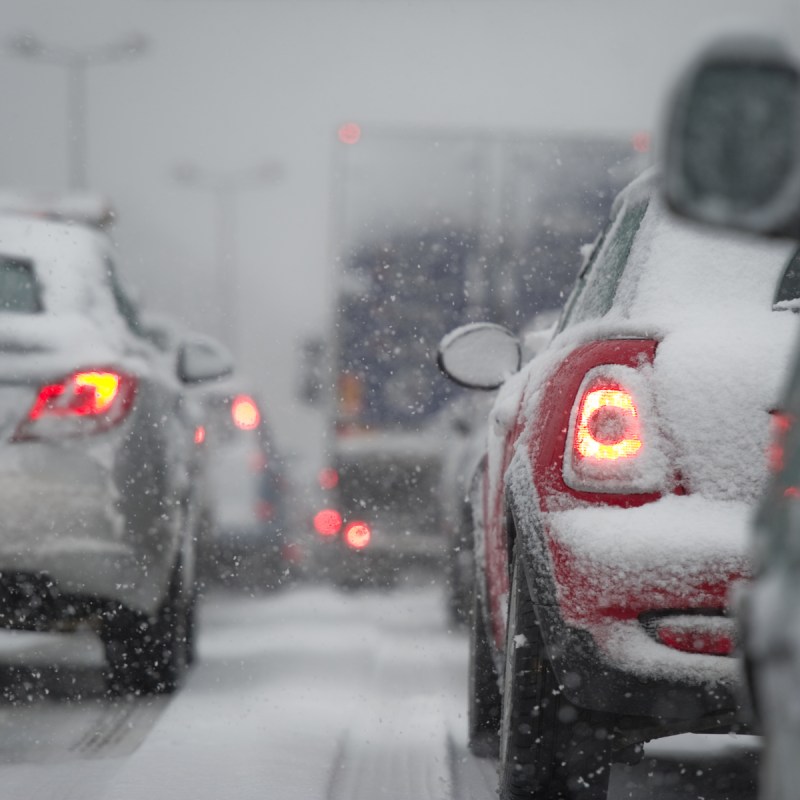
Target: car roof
(68, 261)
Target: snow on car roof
(68, 261)
(79, 313)
(678, 271)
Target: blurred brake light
(607, 425)
(199, 434)
(328, 522)
(357, 535)
(245, 413)
(781, 423)
(82, 403)
(328, 478)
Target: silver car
(98, 458)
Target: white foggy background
(228, 84)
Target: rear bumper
(61, 519)
(595, 577)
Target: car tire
(483, 707)
(150, 655)
(549, 748)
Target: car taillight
(357, 535)
(84, 402)
(245, 413)
(614, 444)
(781, 423)
(607, 428)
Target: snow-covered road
(308, 694)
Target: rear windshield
(19, 292)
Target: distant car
(98, 458)
(247, 542)
(463, 431)
(623, 465)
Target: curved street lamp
(76, 62)
(224, 188)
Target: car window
(125, 306)
(788, 294)
(580, 281)
(599, 280)
(19, 290)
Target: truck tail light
(357, 535)
(85, 402)
(327, 522)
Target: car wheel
(459, 589)
(549, 748)
(483, 709)
(150, 655)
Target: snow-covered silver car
(97, 457)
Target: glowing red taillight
(83, 403)
(245, 413)
(613, 443)
(781, 423)
(607, 425)
(357, 535)
(199, 434)
(328, 522)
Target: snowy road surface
(308, 694)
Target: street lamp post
(77, 62)
(225, 189)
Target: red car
(623, 464)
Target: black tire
(459, 589)
(549, 748)
(483, 701)
(191, 631)
(150, 655)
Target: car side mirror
(480, 355)
(732, 145)
(202, 360)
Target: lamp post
(76, 62)
(225, 189)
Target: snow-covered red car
(623, 464)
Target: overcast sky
(230, 84)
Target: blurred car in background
(244, 538)
(247, 542)
(463, 433)
(622, 467)
(98, 463)
(746, 177)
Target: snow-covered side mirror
(480, 355)
(201, 360)
(732, 145)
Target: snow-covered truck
(434, 229)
